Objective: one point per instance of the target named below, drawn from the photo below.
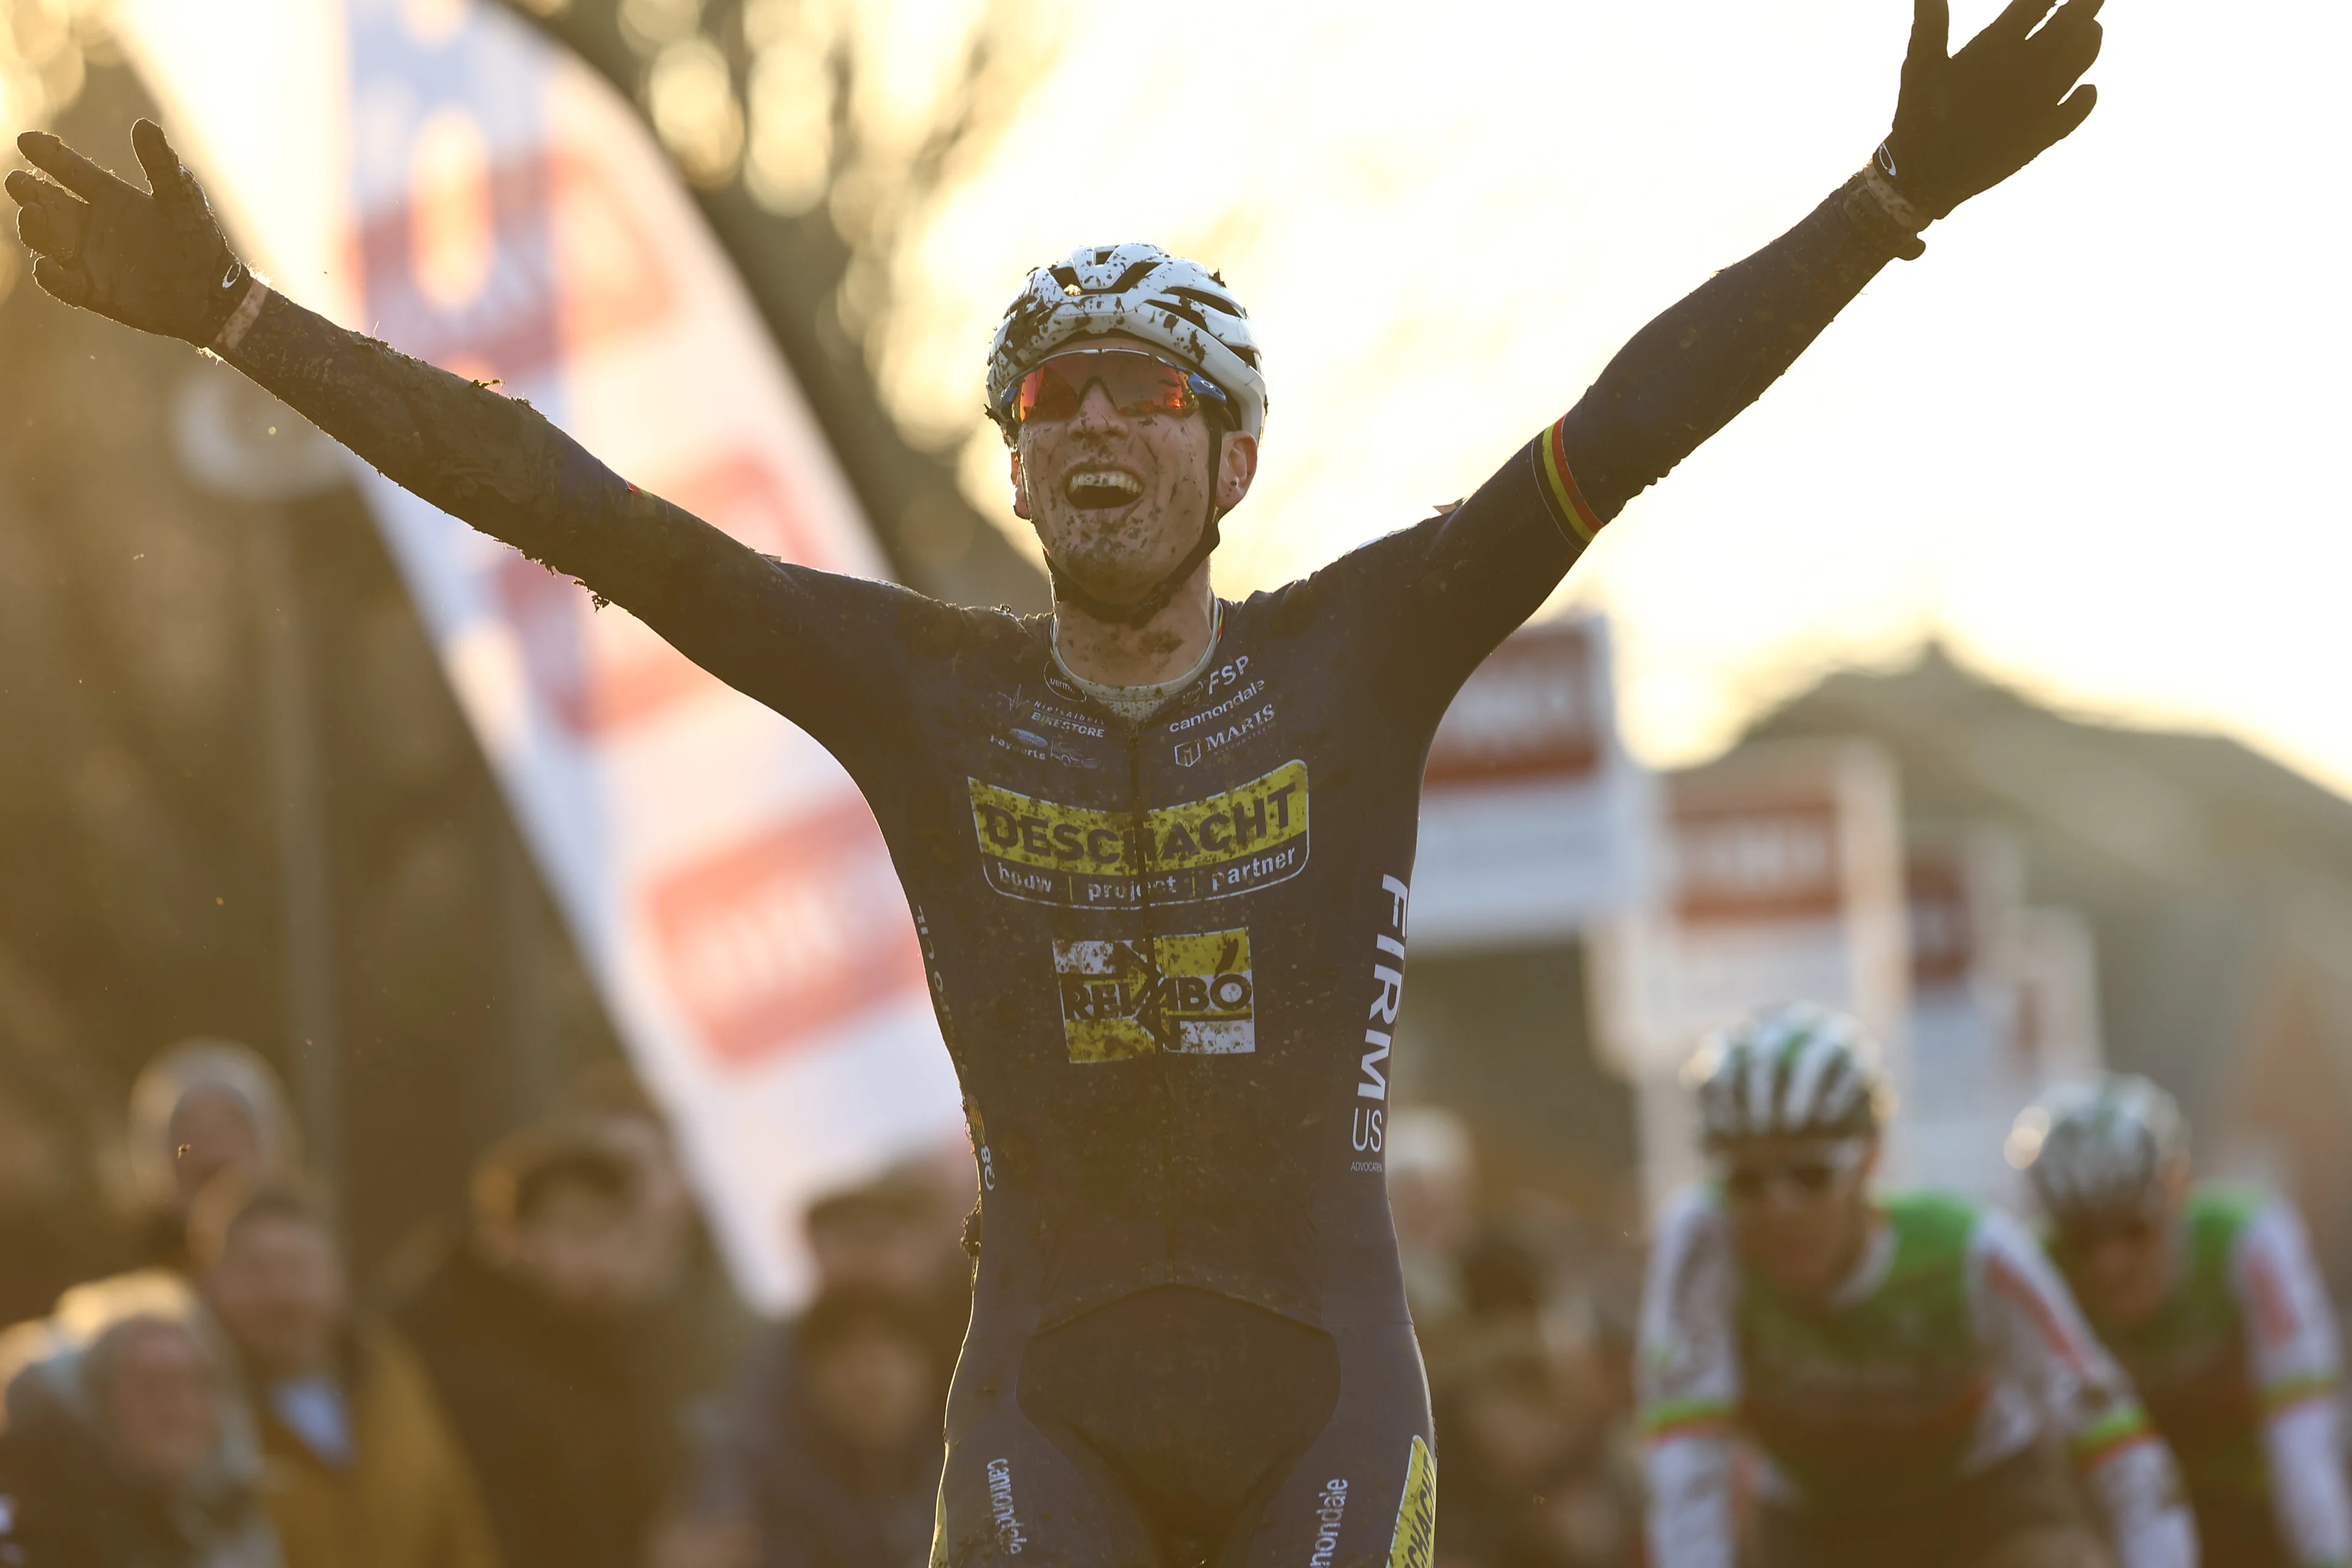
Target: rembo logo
(1192, 995)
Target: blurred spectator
(901, 1235)
(887, 1254)
(1536, 1475)
(118, 1456)
(848, 1474)
(1504, 1277)
(526, 1332)
(201, 1109)
(362, 1469)
(1530, 1377)
(693, 1326)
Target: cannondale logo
(1330, 1507)
(999, 1504)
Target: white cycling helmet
(1177, 305)
(1790, 1070)
(2100, 1148)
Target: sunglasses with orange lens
(1138, 384)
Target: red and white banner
(1783, 883)
(438, 173)
(2003, 1005)
(1534, 820)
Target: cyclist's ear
(1236, 468)
(1019, 485)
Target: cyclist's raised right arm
(498, 464)
(788, 636)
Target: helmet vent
(1221, 302)
(1178, 308)
(1136, 273)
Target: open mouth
(1097, 489)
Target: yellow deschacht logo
(1246, 837)
(1416, 1526)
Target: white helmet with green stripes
(1790, 1070)
(2100, 1148)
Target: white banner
(2003, 1005)
(1783, 883)
(438, 173)
(1534, 820)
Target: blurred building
(2207, 888)
(2216, 886)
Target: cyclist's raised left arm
(1962, 124)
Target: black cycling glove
(1965, 123)
(151, 259)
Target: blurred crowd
(572, 1383)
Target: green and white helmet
(2099, 1147)
(1140, 290)
(1790, 1070)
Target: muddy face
(1119, 500)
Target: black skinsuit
(1166, 955)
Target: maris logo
(1208, 742)
(1225, 719)
(1388, 978)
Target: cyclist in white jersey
(2207, 1293)
(1905, 1367)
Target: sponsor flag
(438, 173)
(2003, 1005)
(1534, 819)
(1783, 882)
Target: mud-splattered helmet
(1176, 305)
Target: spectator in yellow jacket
(362, 1468)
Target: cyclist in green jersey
(1904, 1367)
(2208, 1295)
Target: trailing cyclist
(2208, 1295)
(1907, 1366)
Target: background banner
(438, 174)
(1534, 819)
(1784, 883)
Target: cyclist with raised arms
(1904, 1365)
(1156, 844)
(2208, 1295)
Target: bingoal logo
(767, 943)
